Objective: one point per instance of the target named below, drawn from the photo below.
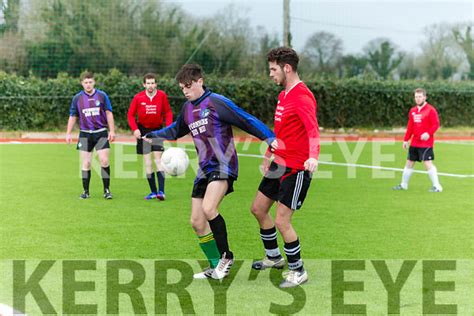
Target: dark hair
(283, 56)
(87, 75)
(189, 73)
(149, 76)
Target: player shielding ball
(92, 107)
(147, 111)
(423, 122)
(209, 118)
(288, 176)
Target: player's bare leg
(198, 219)
(283, 223)
(86, 160)
(297, 275)
(260, 209)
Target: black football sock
(105, 172)
(219, 230)
(161, 180)
(293, 253)
(151, 182)
(270, 243)
(86, 178)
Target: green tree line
(32, 103)
(48, 37)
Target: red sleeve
(409, 131)
(308, 117)
(434, 120)
(167, 112)
(132, 111)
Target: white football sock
(407, 172)
(433, 174)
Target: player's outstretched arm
(176, 130)
(234, 115)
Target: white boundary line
(320, 162)
(370, 167)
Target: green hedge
(35, 104)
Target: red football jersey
(150, 111)
(296, 127)
(422, 120)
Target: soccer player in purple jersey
(209, 118)
(92, 107)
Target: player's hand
(274, 145)
(405, 145)
(311, 164)
(425, 136)
(68, 138)
(265, 165)
(137, 134)
(147, 138)
(111, 136)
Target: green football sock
(209, 247)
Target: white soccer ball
(175, 161)
(6, 310)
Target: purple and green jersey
(91, 110)
(209, 119)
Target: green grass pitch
(349, 213)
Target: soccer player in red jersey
(423, 122)
(288, 176)
(151, 106)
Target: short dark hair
(149, 76)
(87, 75)
(189, 73)
(282, 56)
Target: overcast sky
(355, 22)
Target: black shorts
(200, 185)
(88, 141)
(286, 185)
(143, 147)
(420, 153)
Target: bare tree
(322, 51)
(441, 57)
(383, 57)
(464, 40)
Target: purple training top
(91, 109)
(209, 119)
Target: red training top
(422, 120)
(151, 111)
(296, 127)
